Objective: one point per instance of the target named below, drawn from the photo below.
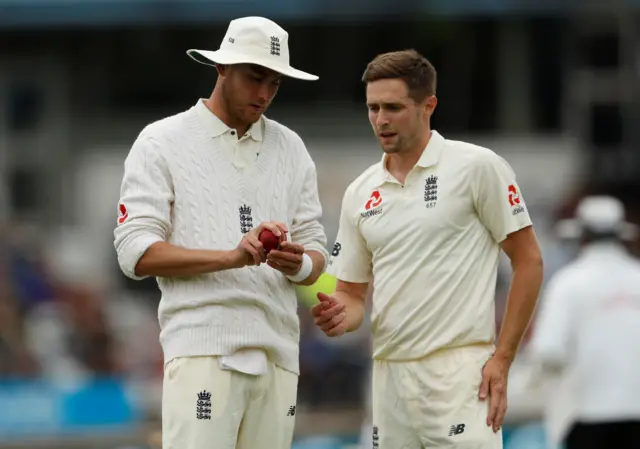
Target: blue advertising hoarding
(31, 408)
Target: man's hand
(250, 250)
(330, 315)
(287, 259)
(494, 386)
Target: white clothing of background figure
(588, 330)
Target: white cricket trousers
(432, 402)
(206, 407)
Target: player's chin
(254, 112)
(389, 148)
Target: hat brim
(571, 229)
(225, 57)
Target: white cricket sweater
(180, 186)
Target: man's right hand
(250, 251)
(330, 315)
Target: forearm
(354, 309)
(319, 263)
(521, 302)
(166, 260)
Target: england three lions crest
(431, 191)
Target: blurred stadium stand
(550, 85)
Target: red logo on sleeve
(514, 197)
(374, 201)
(122, 213)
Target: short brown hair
(410, 66)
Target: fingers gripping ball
(308, 295)
(269, 240)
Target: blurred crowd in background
(551, 86)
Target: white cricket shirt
(589, 324)
(430, 246)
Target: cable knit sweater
(179, 186)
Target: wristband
(305, 269)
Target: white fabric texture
(180, 186)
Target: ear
(430, 104)
(222, 69)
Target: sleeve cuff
(516, 228)
(129, 258)
(341, 275)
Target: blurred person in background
(16, 360)
(426, 225)
(194, 188)
(588, 333)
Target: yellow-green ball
(308, 295)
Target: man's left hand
(287, 258)
(494, 387)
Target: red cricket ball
(269, 240)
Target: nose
(264, 92)
(381, 119)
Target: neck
(216, 104)
(604, 243)
(403, 161)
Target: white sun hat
(253, 40)
(600, 214)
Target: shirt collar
(430, 156)
(217, 127)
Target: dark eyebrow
(385, 105)
(253, 70)
(261, 71)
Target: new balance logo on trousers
(456, 429)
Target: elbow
(141, 269)
(537, 264)
(131, 266)
(537, 259)
(356, 320)
(531, 261)
(131, 249)
(355, 325)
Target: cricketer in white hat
(252, 58)
(199, 188)
(599, 216)
(253, 40)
